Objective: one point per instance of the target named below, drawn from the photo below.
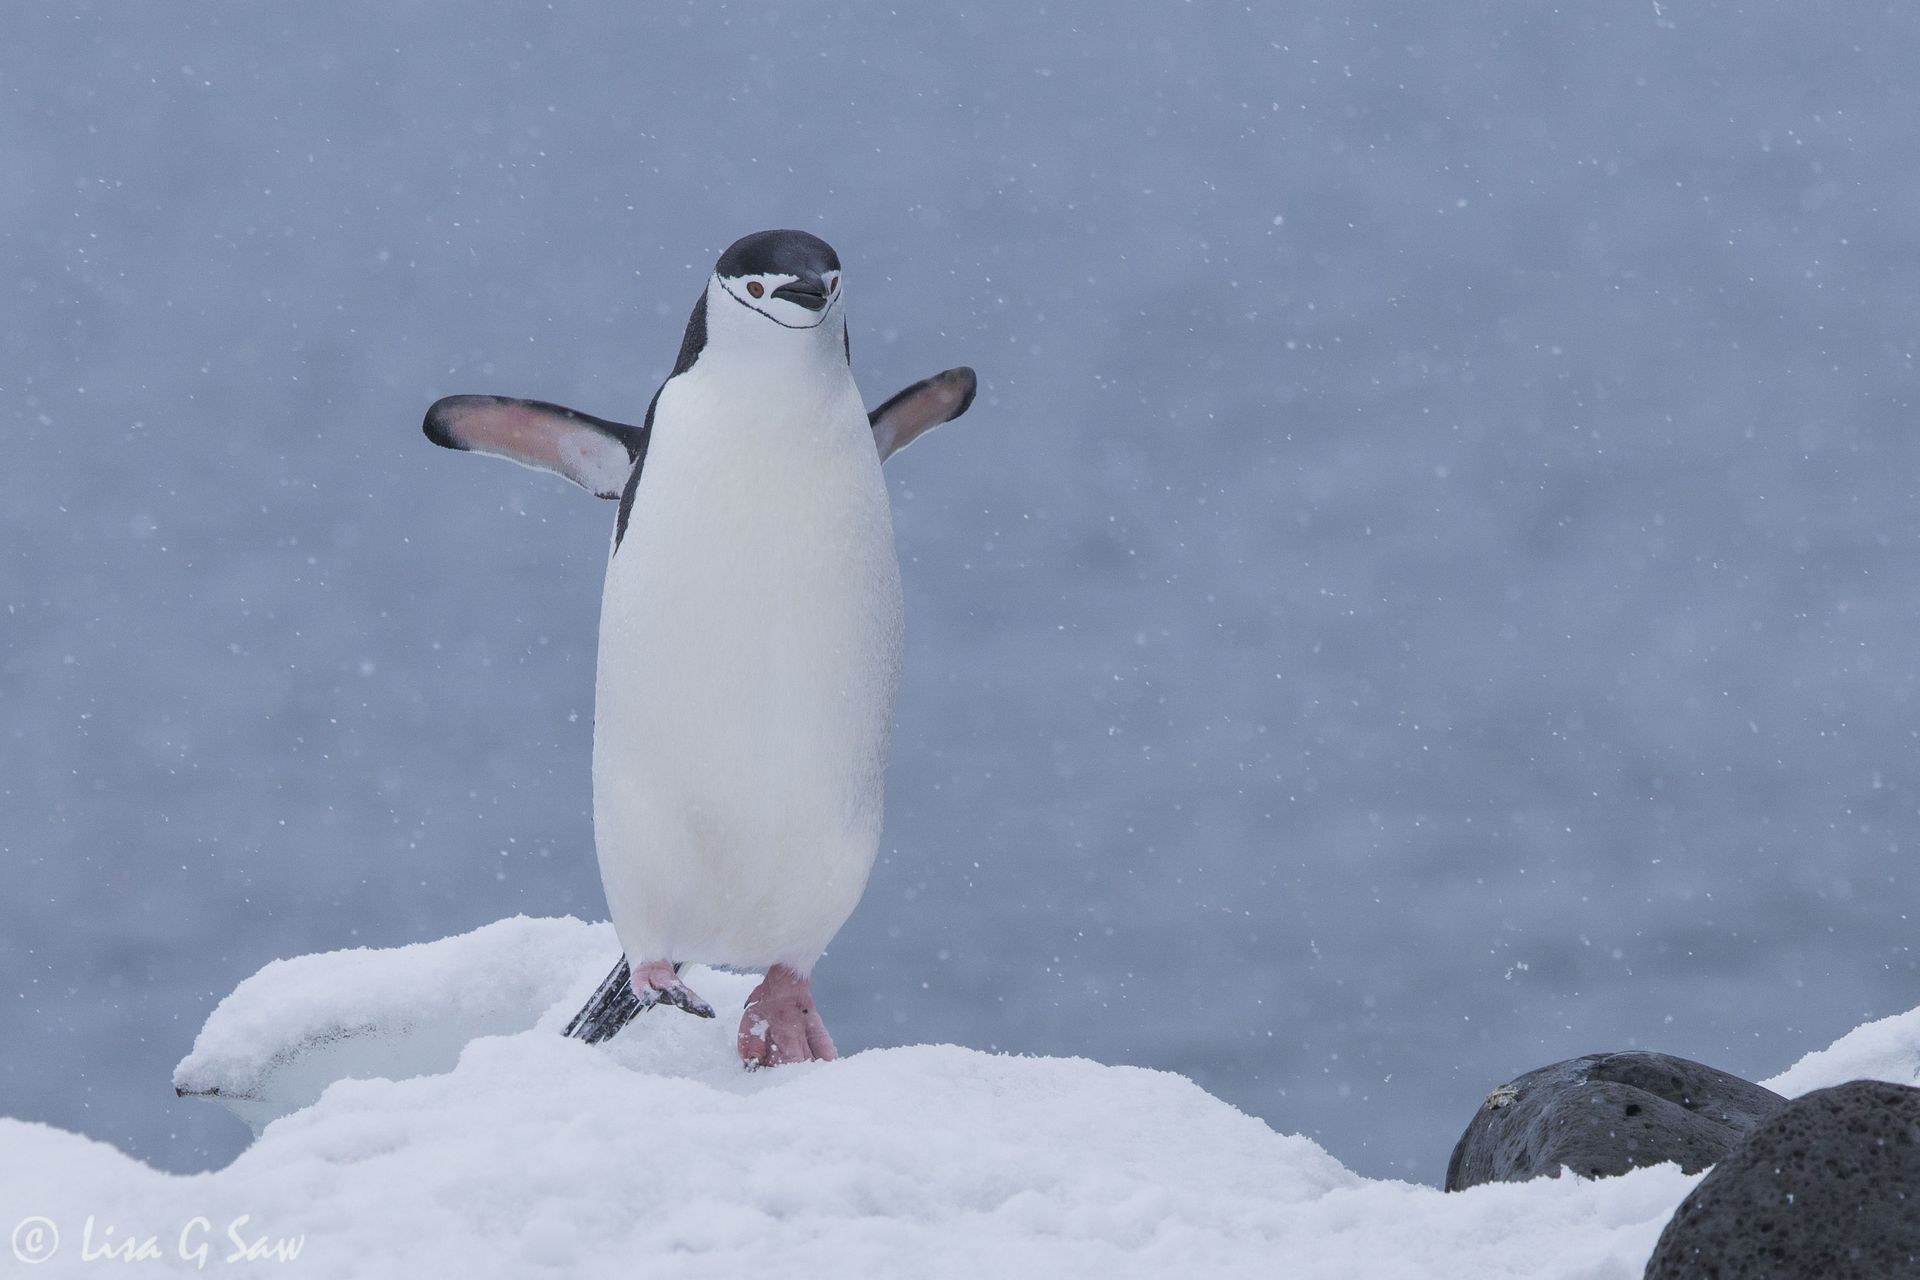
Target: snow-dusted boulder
(465, 1136)
(1605, 1113)
(1828, 1188)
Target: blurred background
(1428, 587)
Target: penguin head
(790, 278)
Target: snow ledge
(419, 1113)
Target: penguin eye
(755, 288)
(833, 285)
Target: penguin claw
(658, 982)
(680, 996)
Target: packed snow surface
(420, 1114)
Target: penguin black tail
(612, 1006)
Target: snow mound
(496, 1147)
(298, 1025)
(1885, 1050)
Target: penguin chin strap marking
(748, 304)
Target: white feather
(750, 639)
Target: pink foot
(658, 982)
(781, 1025)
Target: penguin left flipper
(594, 453)
(926, 404)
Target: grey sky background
(1428, 587)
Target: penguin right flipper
(594, 453)
(921, 407)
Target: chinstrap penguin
(750, 636)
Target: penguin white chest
(750, 640)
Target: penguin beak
(808, 291)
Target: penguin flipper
(594, 453)
(921, 407)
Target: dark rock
(1829, 1187)
(1604, 1114)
